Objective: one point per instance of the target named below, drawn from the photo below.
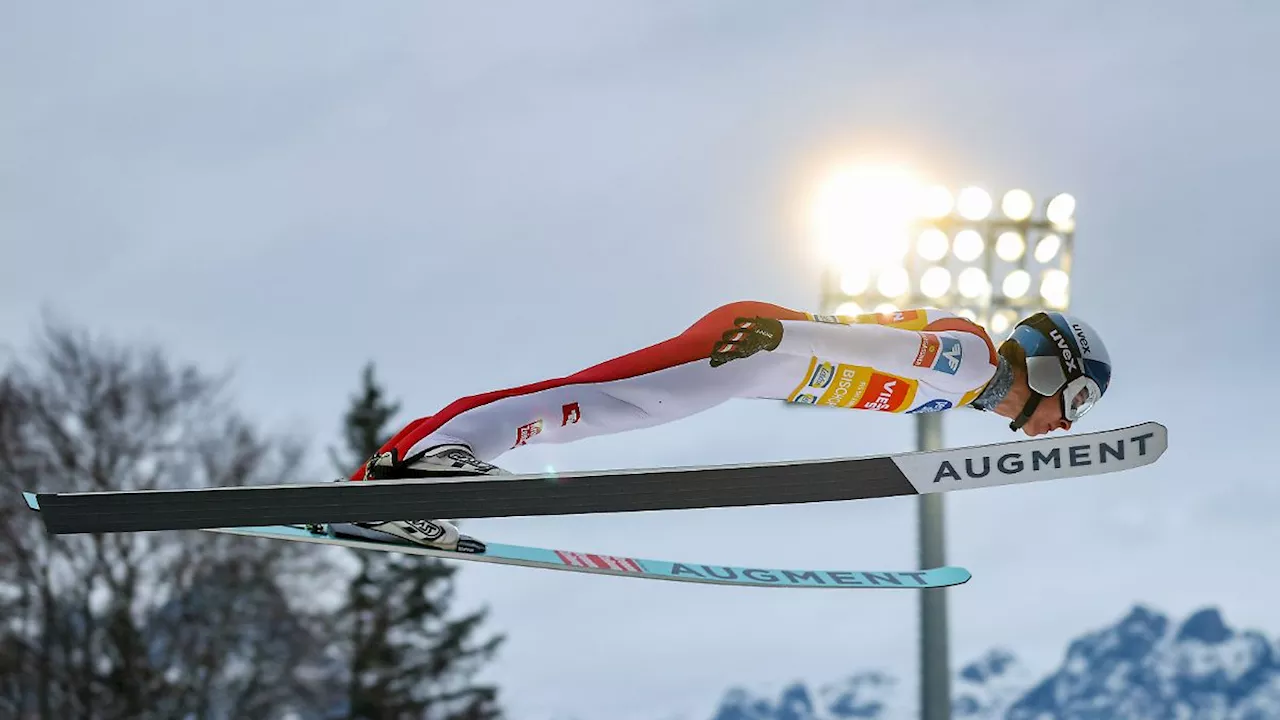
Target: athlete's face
(1047, 417)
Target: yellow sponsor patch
(864, 388)
(847, 386)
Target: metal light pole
(935, 651)
(960, 236)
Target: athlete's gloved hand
(747, 337)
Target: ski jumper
(910, 361)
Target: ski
(595, 563)
(629, 490)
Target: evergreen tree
(408, 658)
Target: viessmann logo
(885, 393)
(980, 467)
(883, 399)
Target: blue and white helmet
(1063, 353)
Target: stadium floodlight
(863, 214)
(972, 283)
(1053, 288)
(973, 203)
(1016, 284)
(1017, 205)
(1002, 320)
(935, 282)
(848, 309)
(968, 245)
(1010, 246)
(1061, 210)
(855, 280)
(936, 201)
(893, 282)
(932, 244)
(948, 266)
(1047, 248)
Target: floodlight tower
(945, 250)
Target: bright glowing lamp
(972, 282)
(1047, 248)
(935, 282)
(893, 282)
(932, 245)
(1053, 288)
(866, 212)
(968, 245)
(1002, 321)
(1061, 210)
(936, 202)
(1016, 284)
(1010, 246)
(849, 309)
(855, 280)
(973, 203)
(1017, 205)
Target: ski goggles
(1078, 397)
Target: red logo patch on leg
(526, 432)
(571, 414)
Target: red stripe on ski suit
(692, 345)
(962, 325)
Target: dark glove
(748, 336)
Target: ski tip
(32, 501)
(956, 575)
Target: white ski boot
(441, 461)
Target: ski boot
(441, 461)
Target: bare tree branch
(146, 625)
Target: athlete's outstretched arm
(947, 352)
(948, 358)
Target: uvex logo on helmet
(1081, 339)
(1068, 357)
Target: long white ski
(587, 562)
(778, 483)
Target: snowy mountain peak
(1143, 667)
(989, 667)
(738, 704)
(795, 704)
(1206, 626)
(985, 687)
(864, 695)
(1140, 669)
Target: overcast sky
(478, 196)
